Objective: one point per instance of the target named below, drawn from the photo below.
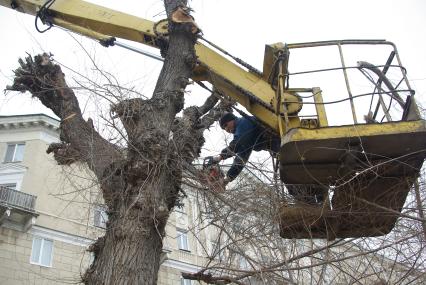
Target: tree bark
(140, 184)
(130, 251)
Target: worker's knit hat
(226, 118)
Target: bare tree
(141, 183)
(248, 249)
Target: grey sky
(241, 27)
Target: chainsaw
(211, 170)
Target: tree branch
(210, 279)
(80, 141)
(188, 130)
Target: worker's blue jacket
(249, 135)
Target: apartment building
(49, 214)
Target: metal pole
(347, 83)
(148, 54)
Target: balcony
(18, 199)
(17, 209)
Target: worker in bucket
(249, 135)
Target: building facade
(49, 215)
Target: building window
(41, 253)
(14, 152)
(100, 217)
(12, 175)
(182, 239)
(184, 281)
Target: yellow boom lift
(365, 170)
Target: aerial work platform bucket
(367, 169)
(350, 179)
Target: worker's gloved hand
(217, 158)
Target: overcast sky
(240, 27)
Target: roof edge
(29, 118)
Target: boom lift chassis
(364, 171)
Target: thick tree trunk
(129, 253)
(140, 188)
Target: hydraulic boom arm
(342, 178)
(103, 24)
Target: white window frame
(100, 217)
(11, 173)
(182, 239)
(38, 262)
(15, 144)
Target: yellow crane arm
(364, 167)
(100, 23)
